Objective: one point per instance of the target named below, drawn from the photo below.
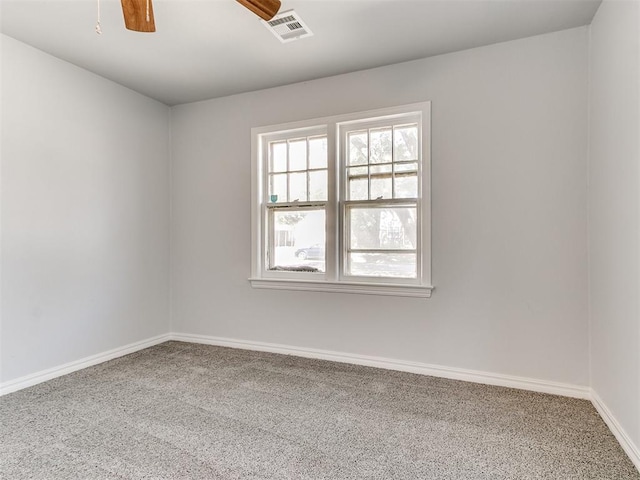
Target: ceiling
(211, 48)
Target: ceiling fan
(138, 14)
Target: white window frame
(333, 279)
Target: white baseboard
(524, 383)
(543, 386)
(624, 440)
(50, 373)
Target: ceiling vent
(288, 26)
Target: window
(342, 203)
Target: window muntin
(382, 162)
(381, 165)
(342, 203)
(297, 169)
(295, 202)
(382, 241)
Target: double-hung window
(343, 203)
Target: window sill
(397, 290)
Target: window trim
(333, 280)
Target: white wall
(85, 213)
(509, 215)
(614, 212)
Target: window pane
(406, 186)
(358, 148)
(398, 265)
(298, 155)
(278, 188)
(318, 185)
(318, 152)
(380, 188)
(299, 240)
(380, 146)
(380, 169)
(357, 171)
(278, 157)
(406, 167)
(406, 143)
(298, 187)
(359, 189)
(382, 228)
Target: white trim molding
(51, 373)
(423, 291)
(475, 376)
(623, 438)
(337, 276)
(523, 383)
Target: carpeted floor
(186, 411)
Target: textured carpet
(185, 411)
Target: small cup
(273, 198)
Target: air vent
(288, 26)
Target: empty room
(320, 239)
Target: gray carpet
(185, 411)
